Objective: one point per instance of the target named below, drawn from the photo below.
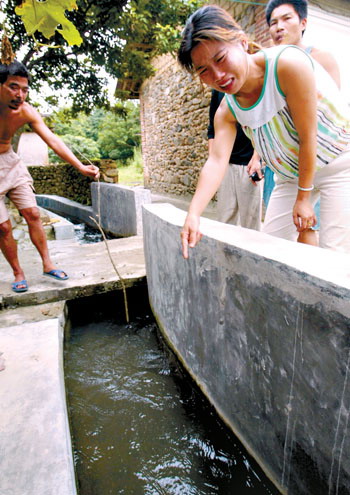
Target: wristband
(306, 188)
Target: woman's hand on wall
(190, 234)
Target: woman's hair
(15, 68)
(210, 23)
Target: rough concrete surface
(88, 266)
(35, 446)
(36, 453)
(262, 325)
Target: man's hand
(255, 166)
(190, 234)
(90, 171)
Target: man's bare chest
(8, 127)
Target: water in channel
(85, 234)
(139, 424)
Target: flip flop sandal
(16, 286)
(56, 274)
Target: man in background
(239, 197)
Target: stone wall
(64, 180)
(173, 120)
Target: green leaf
(47, 17)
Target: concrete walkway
(35, 445)
(36, 451)
(88, 266)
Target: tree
(101, 134)
(119, 135)
(119, 36)
(83, 147)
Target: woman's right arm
(211, 175)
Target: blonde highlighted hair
(210, 23)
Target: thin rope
(98, 224)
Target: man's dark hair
(15, 68)
(300, 7)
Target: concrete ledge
(66, 207)
(89, 268)
(36, 452)
(119, 207)
(63, 229)
(262, 325)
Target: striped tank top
(269, 125)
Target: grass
(131, 174)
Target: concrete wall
(262, 325)
(117, 207)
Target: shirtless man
(15, 180)
(287, 22)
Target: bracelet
(306, 188)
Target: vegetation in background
(132, 173)
(119, 134)
(103, 134)
(118, 36)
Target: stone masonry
(64, 180)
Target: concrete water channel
(260, 324)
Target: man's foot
(20, 286)
(57, 274)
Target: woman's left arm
(297, 81)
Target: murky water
(139, 424)
(84, 234)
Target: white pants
(332, 185)
(238, 200)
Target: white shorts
(332, 186)
(238, 200)
(16, 183)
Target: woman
(292, 111)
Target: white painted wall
(331, 32)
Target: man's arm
(38, 125)
(329, 63)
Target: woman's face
(221, 65)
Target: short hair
(300, 7)
(209, 23)
(15, 68)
